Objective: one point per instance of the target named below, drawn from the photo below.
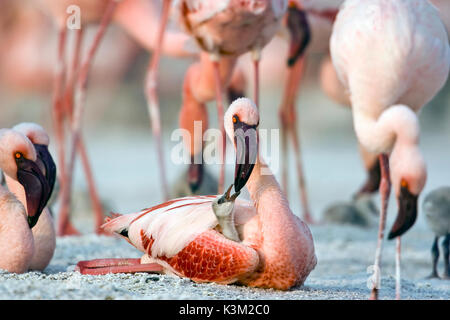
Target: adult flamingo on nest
(200, 237)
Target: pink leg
(290, 126)
(95, 199)
(152, 96)
(107, 266)
(64, 225)
(220, 112)
(256, 60)
(385, 189)
(57, 108)
(398, 283)
(79, 104)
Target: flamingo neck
(269, 199)
(17, 189)
(396, 125)
(396, 132)
(8, 202)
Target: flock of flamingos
(386, 60)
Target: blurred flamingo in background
(409, 54)
(137, 19)
(276, 251)
(224, 31)
(316, 19)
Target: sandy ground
(123, 159)
(344, 252)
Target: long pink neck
(17, 189)
(274, 213)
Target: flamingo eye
(18, 155)
(404, 184)
(235, 119)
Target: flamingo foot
(433, 275)
(68, 230)
(108, 266)
(99, 231)
(309, 219)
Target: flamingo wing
(179, 235)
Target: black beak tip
(194, 186)
(291, 61)
(393, 235)
(407, 214)
(32, 222)
(400, 228)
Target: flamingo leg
(107, 266)
(64, 225)
(82, 78)
(398, 283)
(446, 249)
(435, 258)
(256, 56)
(289, 126)
(152, 96)
(95, 199)
(220, 114)
(385, 189)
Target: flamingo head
(18, 161)
(40, 139)
(241, 121)
(409, 175)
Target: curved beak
(47, 165)
(299, 30)
(407, 213)
(227, 197)
(36, 188)
(246, 142)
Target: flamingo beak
(407, 213)
(36, 188)
(299, 30)
(246, 142)
(227, 196)
(47, 165)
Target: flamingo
(273, 248)
(392, 57)
(315, 19)
(137, 19)
(19, 162)
(44, 233)
(224, 30)
(334, 89)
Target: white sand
(343, 253)
(123, 160)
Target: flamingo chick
(437, 212)
(18, 162)
(393, 57)
(179, 236)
